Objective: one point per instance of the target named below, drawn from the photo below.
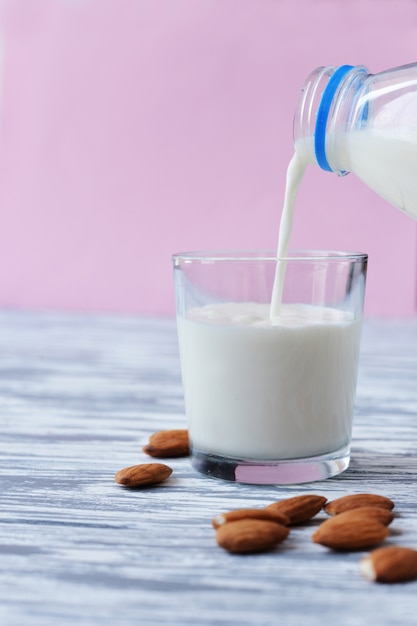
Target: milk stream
(386, 161)
(295, 173)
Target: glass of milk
(269, 386)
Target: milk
(295, 173)
(386, 162)
(257, 388)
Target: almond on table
(248, 536)
(344, 535)
(354, 501)
(143, 475)
(299, 509)
(392, 564)
(378, 513)
(168, 444)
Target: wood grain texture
(79, 397)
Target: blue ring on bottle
(323, 114)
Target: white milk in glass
(254, 387)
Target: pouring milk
(253, 373)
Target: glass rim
(268, 255)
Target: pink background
(131, 129)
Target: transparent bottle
(348, 120)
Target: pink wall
(131, 130)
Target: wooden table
(79, 396)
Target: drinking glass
(269, 387)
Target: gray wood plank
(79, 396)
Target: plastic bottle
(348, 120)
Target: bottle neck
(325, 111)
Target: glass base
(286, 472)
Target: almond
(384, 516)
(356, 500)
(249, 535)
(239, 514)
(339, 534)
(392, 564)
(168, 444)
(298, 509)
(143, 475)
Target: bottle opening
(323, 115)
(324, 109)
